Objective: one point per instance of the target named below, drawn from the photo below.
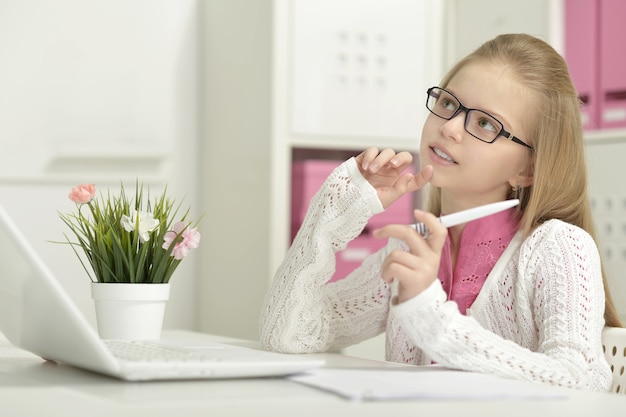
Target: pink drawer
(309, 175)
(354, 254)
(581, 46)
(612, 74)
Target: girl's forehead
(486, 80)
(493, 88)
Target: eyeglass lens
(478, 123)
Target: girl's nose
(455, 127)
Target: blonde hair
(559, 189)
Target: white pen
(465, 216)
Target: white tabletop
(30, 386)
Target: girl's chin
(435, 182)
(441, 181)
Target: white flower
(146, 223)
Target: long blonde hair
(559, 189)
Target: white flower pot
(130, 311)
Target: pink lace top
(482, 243)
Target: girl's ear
(525, 180)
(527, 177)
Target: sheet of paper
(422, 383)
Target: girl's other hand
(384, 171)
(416, 269)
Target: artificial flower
(142, 221)
(128, 240)
(83, 193)
(190, 240)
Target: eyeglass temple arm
(517, 140)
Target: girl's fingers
(405, 233)
(372, 160)
(436, 231)
(397, 265)
(417, 244)
(401, 160)
(381, 160)
(423, 177)
(366, 157)
(417, 268)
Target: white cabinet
(357, 68)
(347, 74)
(605, 152)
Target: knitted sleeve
(541, 321)
(304, 313)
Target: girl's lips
(441, 155)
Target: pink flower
(190, 240)
(83, 193)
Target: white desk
(31, 387)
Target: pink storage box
(307, 177)
(581, 42)
(612, 74)
(354, 254)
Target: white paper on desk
(421, 383)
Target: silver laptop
(37, 315)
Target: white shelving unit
(605, 136)
(605, 150)
(357, 80)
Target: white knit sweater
(538, 317)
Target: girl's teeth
(443, 155)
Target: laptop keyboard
(146, 351)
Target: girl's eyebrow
(502, 119)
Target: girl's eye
(487, 124)
(448, 104)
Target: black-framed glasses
(478, 123)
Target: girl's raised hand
(383, 170)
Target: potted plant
(129, 248)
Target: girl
(520, 293)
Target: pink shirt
(482, 243)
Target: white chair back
(614, 346)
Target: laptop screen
(16, 272)
(36, 313)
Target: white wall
(97, 91)
(236, 163)
(470, 23)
